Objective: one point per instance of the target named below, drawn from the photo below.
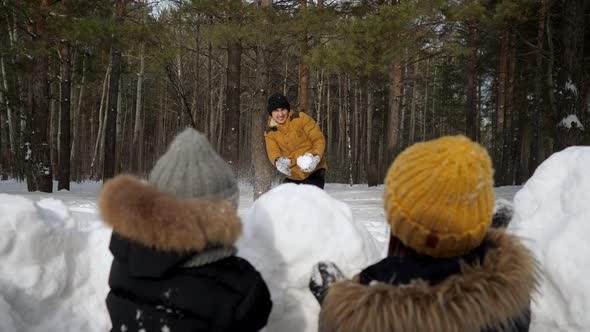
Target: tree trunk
(471, 104)
(508, 150)
(119, 157)
(54, 119)
(262, 168)
(341, 148)
(500, 107)
(15, 106)
(478, 100)
(348, 111)
(102, 115)
(219, 118)
(110, 143)
(231, 113)
(39, 171)
(393, 116)
(8, 155)
(303, 68)
(137, 149)
(208, 114)
(356, 141)
(65, 142)
(77, 123)
(377, 111)
(425, 103)
(538, 108)
(433, 132)
(329, 135)
(413, 103)
(404, 87)
(524, 145)
(320, 95)
(11, 130)
(196, 114)
(363, 101)
(551, 88)
(6, 161)
(570, 76)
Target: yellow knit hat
(439, 196)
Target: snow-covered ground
(55, 260)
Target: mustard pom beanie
(439, 196)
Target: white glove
(308, 162)
(282, 164)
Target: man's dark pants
(317, 178)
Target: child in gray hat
(174, 266)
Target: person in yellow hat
(294, 143)
(446, 269)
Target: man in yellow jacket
(294, 143)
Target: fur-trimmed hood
(493, 294)
(143, 214)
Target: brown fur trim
(488, 295)
(155, 219)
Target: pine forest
(94, 88)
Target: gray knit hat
(192, 169)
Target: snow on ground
(552, 214)
(570, 121)
(55, 258)
(288, 230)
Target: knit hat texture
(439, 196)
(192, 169)
(277, 100)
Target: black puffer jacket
(149, 290)
(487, 290)
(173, 266)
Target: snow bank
(53, 277)
(552, 214)
(571, 120)
(288, 230)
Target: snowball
(287, 231)
(552, 214)
(304, 161)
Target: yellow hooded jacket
(298, 135)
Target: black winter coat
(487, 290)
(150, 290)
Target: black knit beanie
(277, 100)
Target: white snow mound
(52, 277)
(288, 230)
(552, 214)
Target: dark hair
(398, 248)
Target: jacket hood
(157, 220)
(144, 262)
(490, 293)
